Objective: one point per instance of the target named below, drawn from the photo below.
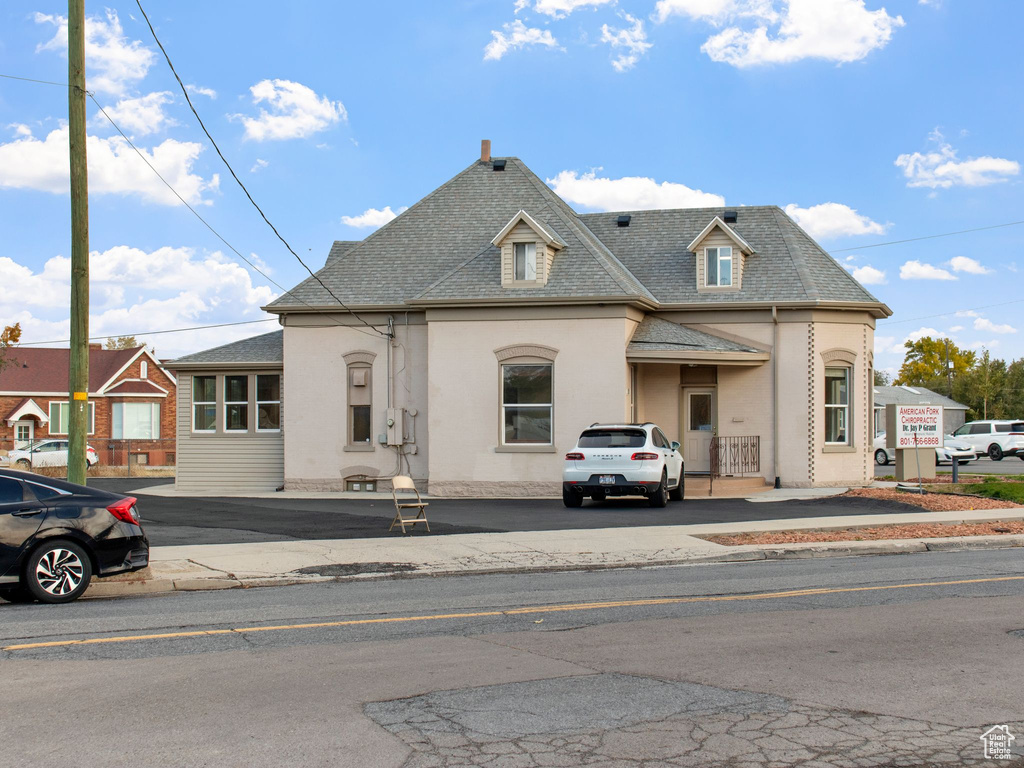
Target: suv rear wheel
(571, 498)
(995, 452)
(676, 494)
(660, 497)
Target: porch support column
(775, 394)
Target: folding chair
(405, 483)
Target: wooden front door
(698, 428)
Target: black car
(55, 535)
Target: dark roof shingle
(268, 348)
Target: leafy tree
(10, 336)
(123, 342)
(1014, 392)
(924, 364)
(882, 378)
(983, 389)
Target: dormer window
(718, 266)
(525, 261)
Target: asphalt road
(878, 661)
(174, 521)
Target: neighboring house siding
(224, 462)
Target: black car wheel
(660, 497)
(995, 452)
(16, 594)
(881, 457)
(58, 572)
(571, 498)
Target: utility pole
(78, 379)
(949, 374)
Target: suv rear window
(1017, 426)
(613, 438)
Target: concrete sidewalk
(224, 566)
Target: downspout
(775, 393)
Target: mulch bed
(881, 532)
(933, 502)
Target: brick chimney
(485, 150)
(95, 345)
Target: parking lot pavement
(1010, 465)
(171, 521)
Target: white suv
(623, 460)
(996, 438)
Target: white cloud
(884, 344)
(985, 344)
(516, 35)
(968, 265)
(941, 168)
(296, 111)
(561, 8)
(259, 165)
(202, 91)
(916, 270)
(628, 193)
(955, 328)
(114, 168)
(633, 41)
(140, 116)
(136, 291)
(868, 275)
(20, 129)
(372, 217)
(784, 31)
(114, 63)
(833, 220)
(920, 333)
(984, 324)
(966, 313)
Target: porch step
(725, 487)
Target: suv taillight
(124, 510)
(640, 456)
(574, 457)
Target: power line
(929, 237)
(147, 333)
(234, 175)
(32, 80)
(948, 314)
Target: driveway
(178, 521)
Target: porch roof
(658, 340)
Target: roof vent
(729, 217)
(499, 165)
(623, 221)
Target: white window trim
(204, 402)
(267, 402)
(530, 249)
(49, 413)
(843, 407)
(718, 256)
(236, 402)
(550, 406)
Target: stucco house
(487, 325)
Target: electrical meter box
(396, 426)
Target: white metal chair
(405, 483)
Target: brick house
(132, 402)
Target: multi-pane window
(718, 266)
(59, 414)
(360, 404)
(204, 403)
(268, 403)
(236, 403)
(526, 404)
(525, 261)
(135, 421)
(837, 406)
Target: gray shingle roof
(913, 396)
(268, 348)
(654, 333)
(440, 250)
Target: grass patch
(994, 489)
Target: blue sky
(868, 121)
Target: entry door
(23, 433)
(698, 428)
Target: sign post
(915, 431)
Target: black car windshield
(613, 438)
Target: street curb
(138, 587)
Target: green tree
(983, 389)
(882, 378)
(123, 342)
(924, 364)
(10, 336)
(1014, 392)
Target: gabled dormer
(721, 254)
(527, 251)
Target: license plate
(606, 479)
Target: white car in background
(953, 449)
(47, 453)
(623, 460)
(997, 438)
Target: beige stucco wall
(316, 455)
(590, 378)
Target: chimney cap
(485, 150)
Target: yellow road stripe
(508, 612)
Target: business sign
(919, 426)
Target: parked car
(996, 438)
(953, 448)
(47, 453)
(623, 460)
(55, 536)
